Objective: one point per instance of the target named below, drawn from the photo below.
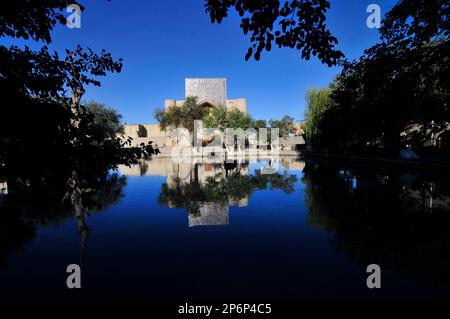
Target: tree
(396, 95)
(222, 118)
(39, 85)
(222, 189)
(298, 24)
(41, 121)
(367, 228)
(191, 112)
(260, 124)
(33, 19)
(238, 119)
(217, 117)
(318, 101)
(416, 22)
(180, 116)
(82, 68)
(106, 121)
(285, 125)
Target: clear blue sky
(163, 42)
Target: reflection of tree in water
(14, 234)
(221, 189)
(398, 221)
(30, 204)
(55, 151)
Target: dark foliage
(32, 19)
(398, 221)
(234, 186)
(55, 155)
(296, 24)
(396, 95)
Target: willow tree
(318, 101)
(396, 95)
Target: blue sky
(163, 42)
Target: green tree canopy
(285, 125)
(260, 124)
(222, 118)
(181, 116)
(217, 117)
(318, 101)
(238, 119)
(106, 121)
(221, 189)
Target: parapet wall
(143, 133)
(240, 104)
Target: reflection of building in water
(185, 173)
(170, 169)
(3, 187)
(209, 214)
(429, 197)
(197, 175)
(292, 163)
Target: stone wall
(170, 102)
(214, 90)
(211, 89)
(240, 104)
(131, 130)
(143, 133)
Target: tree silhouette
(234, 186)
(40, 116)
(396, 95)
(296, 24)
(382, 217)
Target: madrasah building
(210, 92)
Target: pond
(286, 229)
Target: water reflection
(310, 229)
(395, 219)
(28, 204)
(207, 189)
(3, 187)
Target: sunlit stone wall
(212, 89)
(144, 133)
(3, 188)
(240, 104)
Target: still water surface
(227, 230)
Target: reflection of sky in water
(265, 244)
